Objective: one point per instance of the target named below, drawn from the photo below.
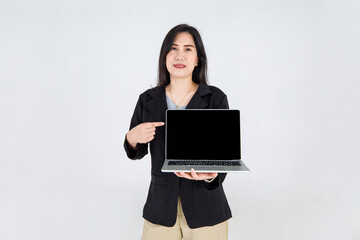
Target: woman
(182, 205)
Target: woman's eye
(173, 48)
(188, 49)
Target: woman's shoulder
(151, 93)
(219, 98)
(215, 91)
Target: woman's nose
(179, 56)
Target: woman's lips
(179, 65)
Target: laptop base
(201, 168)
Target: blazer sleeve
(221, 176)
(141, 148)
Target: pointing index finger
(157, 124)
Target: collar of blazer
(157, 105)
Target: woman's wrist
(131, 143)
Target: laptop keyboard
(206, 163)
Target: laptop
(207, 140)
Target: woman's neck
(180, 85)
(181, 91)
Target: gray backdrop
(71, 72)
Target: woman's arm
(140, 134)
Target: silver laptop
(207, 140)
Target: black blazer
(204, 204)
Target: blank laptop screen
(203, 134)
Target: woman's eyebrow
(189, 45)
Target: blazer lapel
(157, 107)
(197, 101)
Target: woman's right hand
(142, 133)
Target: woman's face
(182, 57)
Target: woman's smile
(179, 65)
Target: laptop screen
(203, 134)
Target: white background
(70, 75)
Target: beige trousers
(182, 231)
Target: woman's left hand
(193, 175)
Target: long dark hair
(200, 71)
